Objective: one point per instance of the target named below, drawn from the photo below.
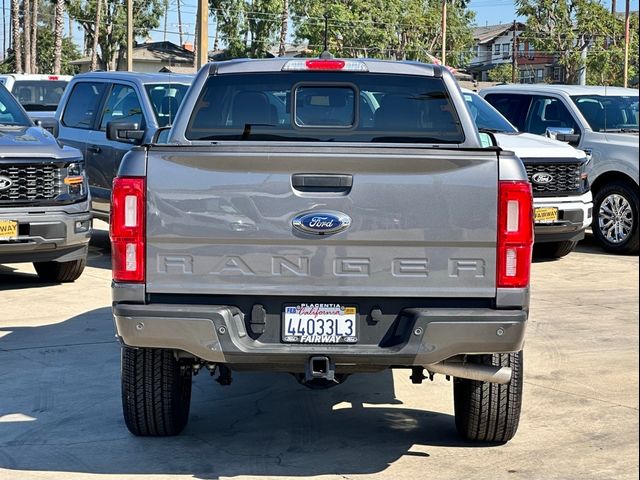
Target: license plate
(319, 323)
(545, 215)
(8, 229)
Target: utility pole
(514, 52)
(129, 35)
(613, 7)
(582, 73)
(626, 44)
(203, 32)
(96, 33)
(166, 14)
(444, 32)
(4, 30)
(180, 22)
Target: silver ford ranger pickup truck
(322, 217)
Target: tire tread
(156, 392)
(490, 412)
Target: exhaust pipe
(472, 371)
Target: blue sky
(488, 12)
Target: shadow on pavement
(99, 257)
(60, 411)
(10, 279)
(591, 245)
(99, 250)
(588, 245)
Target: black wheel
(156, 392)
(489, 412)
(60, 271)
(554, 249)
(615, 217)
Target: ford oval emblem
(5, 183)
(542, 178)
(321, 222)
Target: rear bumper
(48, 236)
(574, 216)
(416, 336)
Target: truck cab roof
(137, 77)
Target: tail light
(127, 229)
(515, 233)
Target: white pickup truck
(563, 203)
(597, 119)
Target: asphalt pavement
(60, 411)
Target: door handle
(321, 182)
(94, 149)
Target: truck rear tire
(489, 412)
(156, 392)
(60, 271)
(615, 217)
(554, 249)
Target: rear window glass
(319, 106)
(39, 95)
(325, 107)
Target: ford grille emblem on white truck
(5, 183)
(542, 178)
(321, 222)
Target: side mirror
(51, 125)
(488, 140)
(563, 134)
(126, 132)
(161, 135)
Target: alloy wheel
(615, 218)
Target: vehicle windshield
(325, 106)
(165, 99)
(487, 118)
(609, 113)
(39, 95)
(10, 111)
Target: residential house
(494, 47)
(150, 57)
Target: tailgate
(220, 221)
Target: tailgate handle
(319, 182)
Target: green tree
(46, 46)
(566, 28)
(112, 33)
(46, 53)
(247, 28)
(501, 73)
(605, 59)
(398, 29)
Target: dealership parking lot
(60, 413)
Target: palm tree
(15, 30)
(4, 30)
(26, 7)
(34, 36)
(59, 27)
